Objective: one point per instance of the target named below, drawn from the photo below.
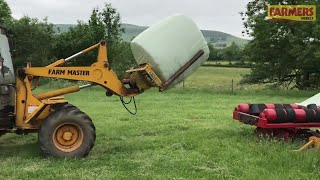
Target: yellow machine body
(31, 109)
(64, 130)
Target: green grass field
(219, 79)
(180, 134)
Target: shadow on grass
(19, 146)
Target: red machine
(281, 120)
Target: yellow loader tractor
(63, 129)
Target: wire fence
(208, 78)
(228, 86)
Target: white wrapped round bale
(169, 45)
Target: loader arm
(98, 73)
(31, 108)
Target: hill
(61, 28)
(217, 38)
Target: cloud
(209, 14)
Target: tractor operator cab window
(9, 35)
(3, 31)
(1, 64)
(12, 44)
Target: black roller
(317, 111)
(310, 116)
(262, 107)
(291, 115)
(312, 106)
(281, 116)
(278, 106)
(287, 106)
(254, 109)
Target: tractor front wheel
(67, 132)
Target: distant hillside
(217, 38)
(132, 31)
(60, 28)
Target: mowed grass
(178, 134)
(219, 79)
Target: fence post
(183, 84)
(232, 86)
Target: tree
(78, 38)
(5, 13)
(33, 39)
(103, 24)
(112, 21)
(232, 53)
(282, 53)
(215, 54)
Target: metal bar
(73, 56)
(57, 63)
(247, 118)
(310, 143)
(40, 108)
(85, 86)
(58, 92)
(93, 47)
(182, 69)
(82, 52)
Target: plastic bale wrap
(169, 45)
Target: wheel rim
(68, 137)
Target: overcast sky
(208, 14)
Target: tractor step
(6, 122)
(7, 118)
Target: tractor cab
(7, 81)
(6, 68)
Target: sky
(208, 14)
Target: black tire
(64, 118)
(63, 106)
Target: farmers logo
(292, 12)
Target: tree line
(284, 54)
(233, 53)
(281, 53)
(36, 41)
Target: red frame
(263, 123)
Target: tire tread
(68, 113)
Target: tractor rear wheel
(67, 132)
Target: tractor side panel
(7, 96)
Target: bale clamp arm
(32, 108)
